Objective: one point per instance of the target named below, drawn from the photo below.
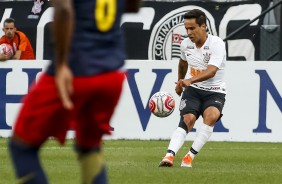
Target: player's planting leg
(202, 137)
(26, 163)
(177, 140)
(92, 165)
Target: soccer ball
(161, 104)
(6, 49)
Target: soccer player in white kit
(203, 56)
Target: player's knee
(211, 115)
(189, 120)
(211, 118)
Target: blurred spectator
(18, 40)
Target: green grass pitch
(135, 161)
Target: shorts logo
(168, 33)
(182, 104)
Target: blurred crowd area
(267, 43)
(273, 18)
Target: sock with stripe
(176, 141)
(201, 139)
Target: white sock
(202, 137)
(177, 140)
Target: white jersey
(211, 53)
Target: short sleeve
(182, 50)
(218, 53)
(23, 43)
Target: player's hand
(63, 79)
(185, 82)
(4, 57)
(178, 88)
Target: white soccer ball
(6, 49)
(161, 104)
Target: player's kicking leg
(202, 137)
(177, 140)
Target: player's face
(9, 30)
(196, 33)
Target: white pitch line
(262, 148)
(128, 148)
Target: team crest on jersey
(207, 57)
(182, 104)
(168, 33)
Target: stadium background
(254, 88)
(258, 41)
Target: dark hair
(10, 20)
(199, 15)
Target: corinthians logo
(168, 33)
